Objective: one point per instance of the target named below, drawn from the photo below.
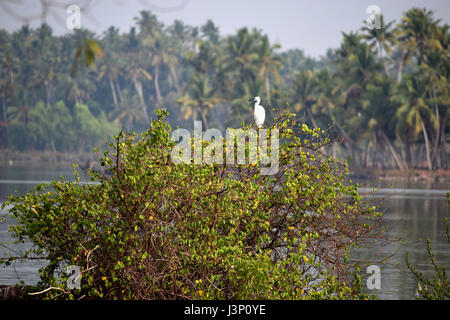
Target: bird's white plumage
(259, 112)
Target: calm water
(413, 212)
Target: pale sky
(311, 25)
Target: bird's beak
(251, 99)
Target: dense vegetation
(151, 229)
(383, 92)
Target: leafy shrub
(150, 229)
(436, 287)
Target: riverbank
(16, 292)
(440, 175)
(57, 160)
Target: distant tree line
(384, 93)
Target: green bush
(435, 287)
(150, 229)
(57, 128)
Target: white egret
(259, 113)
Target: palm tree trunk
(311, 117)
(427, 144)
(158, 92)
(268, 88)
(382, 59)
(349, 143)
(408, 159)
(374, 152)
(397, 160)
(366, 151)
(443, 148)
(175, 78)
(194, 115)
(138, 87)
(5, 119)
(334, 150)
(400, 69)
(113, 91)
(52, 145)
(203, 114)
(119, 91)
(435, 158)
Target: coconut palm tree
(382, 37)
(270, 63)
(136, 72)
(376, 119)
(112, 63)
(211, 32)
(414, 108)
(204, 60)
(199, 99)
(415, 34)
(241, 55)
(304, 94)
(180, 31)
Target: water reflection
(414, 212)
(412, 221)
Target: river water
(414, 211)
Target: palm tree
(412, 97)
(81, 87)
(8, 69)
(150, 27)
(305, 94)
(211, 32)
(270, 63)
(415, 34)
(19, 114)
(376, 118)
(129, 114)
(356, 68)
(194, 37)
(180, 31)
(436, 68)
(293, 59)
(135, 70)
(382, 37)
(350, 42)
(87, 50)
(112, 62)
(151, 33)
(204, 60)
(173, 60)
(159, 57)
(241, 55)
(200, 98)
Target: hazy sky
(313, 25)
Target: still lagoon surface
(414, 211)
